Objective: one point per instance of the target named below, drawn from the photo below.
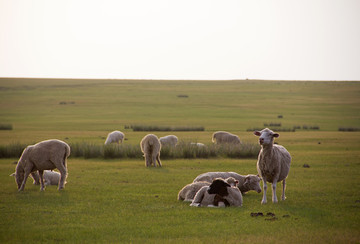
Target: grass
(121, 201)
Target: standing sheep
(169, 140)
(221, 137)
(150, 146)
(115, 136)
(245, 183)
(45, 155)
(273, 163)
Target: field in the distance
(122, 201)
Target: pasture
(121, 201)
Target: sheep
(188, 192)
(151, 146)
(45, 155)
(221, 137)
(169, 140)
(218, 193)
(50, 177)
(246, 183)
(273, 163)
(115, 136)
(198, 144)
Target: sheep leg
(264, 191)
(63, 174)
(158, 159)
(147, 160)
(41, 176)
(283, 190)
(153, 160)
(274, 198)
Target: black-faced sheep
(246, 182)
(219, 193)
(273, 163)
(115, 136)
(150, 146)
(221, 137)
(45, 155)
(169, 140)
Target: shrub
(6, 127)
(12, 151)
(165, 128)
(349, 129)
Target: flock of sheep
(209, 189)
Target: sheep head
(219, 186)
(266, 136)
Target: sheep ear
(276, 135)
(13, 174)
(257, 133)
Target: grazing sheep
(50, 177)
(221, 137)
(188, 192)
(219, 193)
(246, 183)
(45, 155)
(115, 136)
(273, 163)
(169, 140)
(150, 146)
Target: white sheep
(45, 155)
(219, 193)
(188, 192)
(115, 136)
(198, 144)
(151, 146)
(169, 140)
(246, 182)
(50, 177)
(273, 163)
(221, 137)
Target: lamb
(219, 193)
(188, 192)
(115, 136)
(50, 177)
(221, 137)
(169, 140)
(45, 155)
(246, 183)
(150, 146)
(273, 163)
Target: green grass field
(122, 201)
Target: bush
(12, 151)
(164, 128)
(6, 127)
(349, 129)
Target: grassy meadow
(121, 201)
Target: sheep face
(266, 136)
(19, 177)
(253, 183)
(219, 186)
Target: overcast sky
(184, 39)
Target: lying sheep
(221, 137)
(198, 144)
(273, 163)
(188, 192)
(219, 193)
(246, 183)
(50, 177)
(169, 140)
(150, 146)
(45, 155)
(115, 136)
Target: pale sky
(182, 39)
